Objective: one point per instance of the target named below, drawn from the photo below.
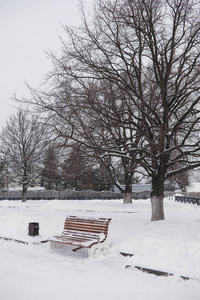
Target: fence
(69, 195)
(192, 200)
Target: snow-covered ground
(35, 272)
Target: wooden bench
(84, 232)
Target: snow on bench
(84, 232)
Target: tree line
(29, 157)
(125, 91)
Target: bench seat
(83, 232)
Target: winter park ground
(30, 271)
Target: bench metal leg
(74, 250)
(98, 249)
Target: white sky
(28, 29)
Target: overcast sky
(28, 29)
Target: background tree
(51, 174)
(84, 173)
(23, 143)
(3, 175)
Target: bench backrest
(90, 225)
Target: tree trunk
(157, 208)
(127, 197)
(127, 193)
(24, 192)
(157, 196)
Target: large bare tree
(23, 141)
(147, 51)
(170, 99)
(96, 115)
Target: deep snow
(36, 272)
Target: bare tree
(51, 174)
(23, 142)
(170, 101)
(150, 51)
(147, 52)
(95, 115)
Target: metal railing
(192, 200)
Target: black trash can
(33, 229)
